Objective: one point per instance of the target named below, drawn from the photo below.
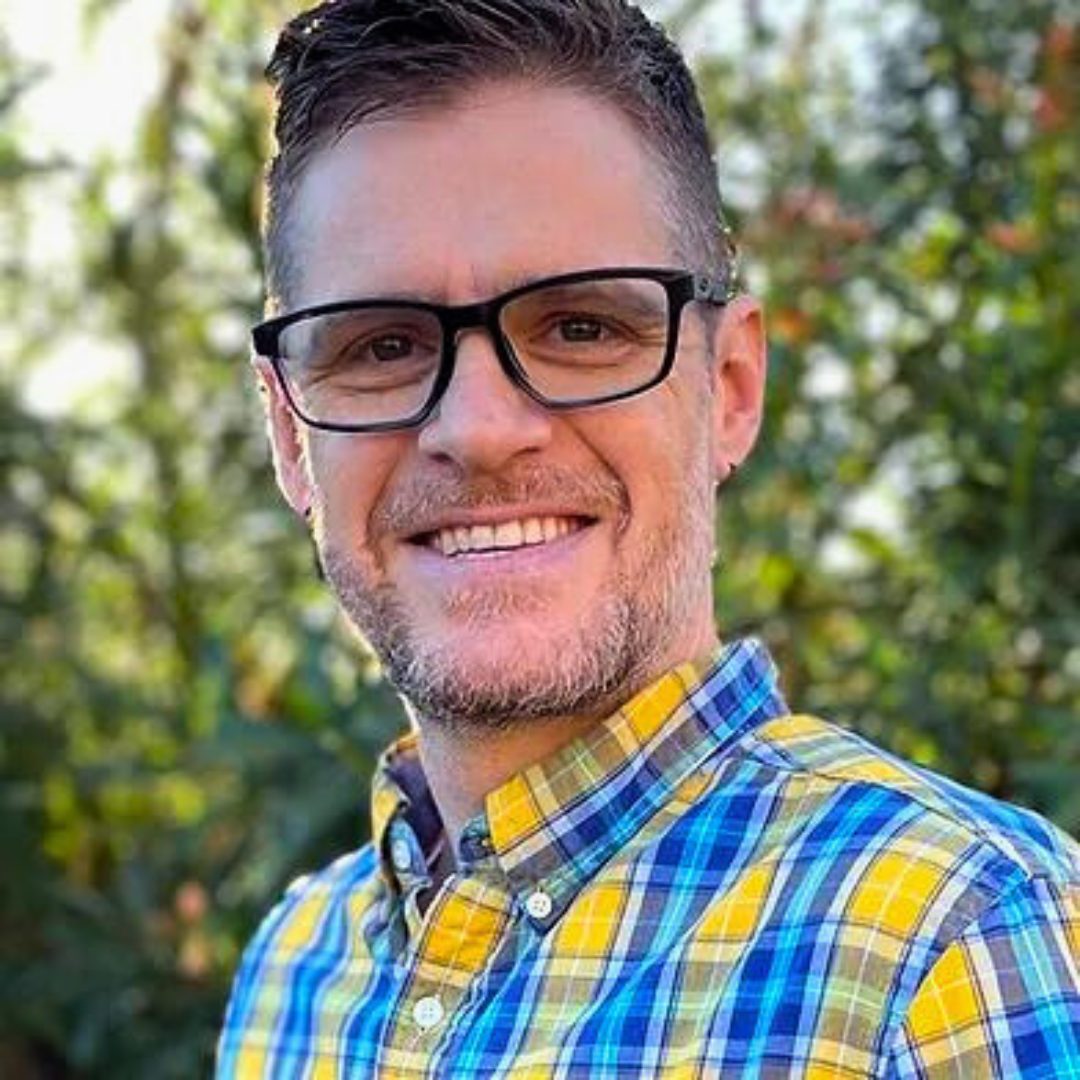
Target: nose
(483, 421)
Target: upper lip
(464, 519)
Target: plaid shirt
(702, 886)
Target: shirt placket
(458, 935)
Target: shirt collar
(552, 826)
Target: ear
(286, 440)
(740, 364)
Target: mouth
(486, 539)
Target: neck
(462, 768)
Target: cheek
(350, 474)
(664, 446)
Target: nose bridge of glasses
(457, 321)
(482, 316)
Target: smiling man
(506, 372)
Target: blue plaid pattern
(703, 886)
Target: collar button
(538, 904)
(400, 855)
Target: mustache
(420, 504)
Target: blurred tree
(183, 726)
(184, 723)
(910, 537)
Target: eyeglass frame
(682, 287)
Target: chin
(502, 673)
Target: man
(506, 373)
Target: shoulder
(307, 928)
(337, 881)
(310, 899)
(964, 909)
(934, 810)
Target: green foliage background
(184, 724)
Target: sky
(101, 79)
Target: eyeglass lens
(582, 341)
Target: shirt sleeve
(1003, 1000)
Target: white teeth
(506, 535)
(509, 534)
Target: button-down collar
(552, 826)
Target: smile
(504, 536)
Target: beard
(614, 648)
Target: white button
(427, 1012)
(538, 904)
(400, 855)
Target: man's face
(513, 183)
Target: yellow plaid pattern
(703, 886)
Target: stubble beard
(615, 648)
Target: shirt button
(400, 855)
(538, 904)
(427, 1012)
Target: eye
(391, 347)
(581, 328)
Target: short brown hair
(348, 61)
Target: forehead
(509, 183)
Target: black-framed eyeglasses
(569, 341)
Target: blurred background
(185, 725)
